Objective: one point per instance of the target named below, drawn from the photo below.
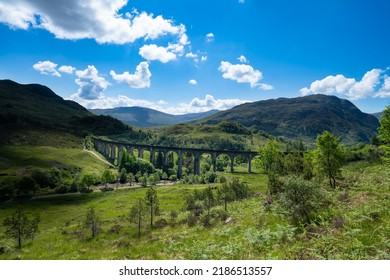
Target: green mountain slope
(36, 107)
(302, 117)
(145, 117)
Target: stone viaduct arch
(114, 150)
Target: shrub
(301, 199)
(173, 177)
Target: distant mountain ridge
(378, 115)
(146, 117)
(302, 117)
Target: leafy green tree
(130, 178)
(143, 180)
(225, 194)
(26, 185)
(92, 222)
(210, 177)
(271, 157)
(18, 226)
(384, 132)
(384, 129)
(151, 199)
(240, 189)
(123, 176)
(159, 160)
(108, 177)
(209, 199)
(329, 156)
(138, 214)
(88, 180)
(301, 199)
(293, 163)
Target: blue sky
(191, 56)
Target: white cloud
(349, 87)
(192, 82)
(384, 92)
(91, 83)
(210, 37)
(47, 68)
(166, 54)
(191, 55)
(140, 79)
(203, 58)
(266, 87)
(104, 102)
(67, 69)
(198, 105)
(242, 73)
(88, 19)
(153, 52)
(242, 59)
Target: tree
(88, 180)
(130, 178)
(271, 156)
(26, 185)
(123, 176)
(329, 156)
(301, 199)
(108, 177)
(137, 214)
(18, 226)
(92, 222)
(152, 202)
(225, 194)
(384, 132)
(384, 129)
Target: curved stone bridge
(113, 150)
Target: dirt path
(99, 157)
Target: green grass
(18, 160)
(255, 234)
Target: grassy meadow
(354, 225)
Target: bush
(210, 177)
(173, 177)
(302, 199)
(106, 189)
(62, 189)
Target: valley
(183, 191)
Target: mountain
(302, 117)
(145, 117)
(377, 115)
(36, 107)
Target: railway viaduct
(113, 150)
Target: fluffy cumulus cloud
(47, 68)
(91, 83)
(154, 52)
(350, 87)
(192, 82)
(100, 20)
(198, 105)
(384, 92)
(104, 102)
(210, 37)
(242, 59)
(140, 79)
(168, 53)
(67, 69)
(243, 73)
